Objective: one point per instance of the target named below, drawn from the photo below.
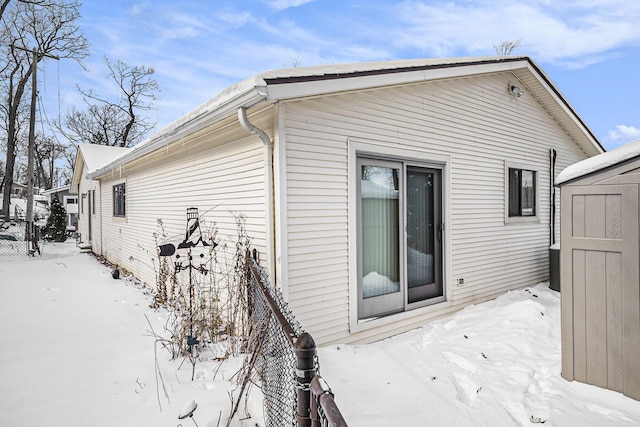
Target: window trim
(93, 202)
(521, 219)
(124, 200)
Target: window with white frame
(119, 208)
(522, 185)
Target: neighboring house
(18, 206)
(379, 195)
(90, 157)
(19, 190)
(600, 270)
(69, 203)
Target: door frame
(90, 201)
(422, 155)
(398, 302)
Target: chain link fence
(284, 359)
(12, 238)
(275, 359)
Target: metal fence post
(305, 348)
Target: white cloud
(624, 133)
(572, 33)
(286, 4)
(181, 33)
(235, 20)
(138, 8)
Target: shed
(379, 195)
(599, 266)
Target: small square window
(522, 193)
(119, 200)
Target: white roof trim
(291, 83)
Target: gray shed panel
(600, 277)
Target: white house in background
(380, 195)
(90, 157)
(69, 203)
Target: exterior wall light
(515, 91)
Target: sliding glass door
(400, 251)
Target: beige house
(600, 270)
(379, 195)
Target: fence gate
(600, 286)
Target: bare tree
(50, 28)
(117, 122)
(1, 174)
(3, 6)
(506, 48)
(47, 151)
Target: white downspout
(268, 186)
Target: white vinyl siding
(472, 120)
(221, 173)
(88, 188)
(83, 189)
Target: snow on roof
(55, 190)
(599, 162)
(315, 72)
(255, 88)
(96, 156)
(329, 71)
(271, 86)
(344, 70)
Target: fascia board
(77, 171)
(561, 101)
(284, 91)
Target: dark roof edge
(382, 71)
(564, 100)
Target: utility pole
(32, 136)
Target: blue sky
(589, 48)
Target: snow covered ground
(75, 351)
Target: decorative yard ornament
(167, 250)
(193, 224)
(193, 238)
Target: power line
(37, 56)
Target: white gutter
(211, 112)
(268, 185)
